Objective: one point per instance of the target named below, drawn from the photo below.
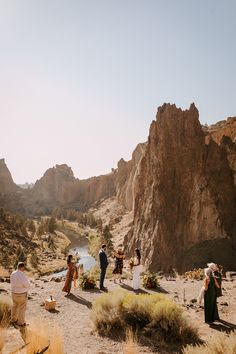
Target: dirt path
(73, 313)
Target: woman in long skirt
(119, 257)
(210, 305)
(136, 269)
(69, 275)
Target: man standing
(103, 265)
(19, 288)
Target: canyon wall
(185, 196)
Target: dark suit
(103, 266)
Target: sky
(81, 80)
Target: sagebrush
(5, 310)
(219, 344)
(152, 315)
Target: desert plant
(5, 310)
(130, 345)
(34, 260)
(220, 344)
(150, 281)
(195, 274)
(2, 339)
(86, 281)
(147, 314)
(39, 337)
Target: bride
(136, 269)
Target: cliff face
(224, 128)
(59, 187)
(6, 182)
(126, 175)
(185, 198)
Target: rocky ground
(72, 313)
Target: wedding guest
(103, 266)
(19, 288)
(70, 274)
(210, 305)
(136, 269)
(119, 257)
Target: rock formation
(126, 177)
(185, 197)
(7, 185)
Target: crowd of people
(20, 284)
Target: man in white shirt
(19, 288)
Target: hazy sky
(80, 80)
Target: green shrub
(150, 281)
(5, 310)
(153, 315)
(86, 281)
(219, 344)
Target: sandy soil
(73, 313)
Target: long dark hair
(69, 259)
(138, 254)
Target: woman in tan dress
(69, 275)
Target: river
(78, 246)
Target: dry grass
(5, 310)
(2, 338)
(130, 346)
(195, 274)
(150, 315)
(39, 336)
(219, 344)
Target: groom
(103, 265)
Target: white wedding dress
(136, 274)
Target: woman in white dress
(136, 269)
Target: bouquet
(150, 280)
(86, 281)
(131, 263)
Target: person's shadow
(80, 300)
(128, 287)
(223, 326)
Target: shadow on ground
(80, 300)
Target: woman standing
(210, 305)
(136, 269)
(69, 275)
(119, 257)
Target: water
(80, 247)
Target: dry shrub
(195, 274)
(153, 315)
(219, 344)
(39, 336)
(2, 339)
(5, 310)
(130, 346)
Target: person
(217, 274)
(103, 266)
(19, 291)
(136, 269)
(119, 257)
(210, 305)
(69, 275)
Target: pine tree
(107, 237)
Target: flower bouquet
(131, 263)
(86, 281)
(150, 280)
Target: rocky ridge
(185, 201)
